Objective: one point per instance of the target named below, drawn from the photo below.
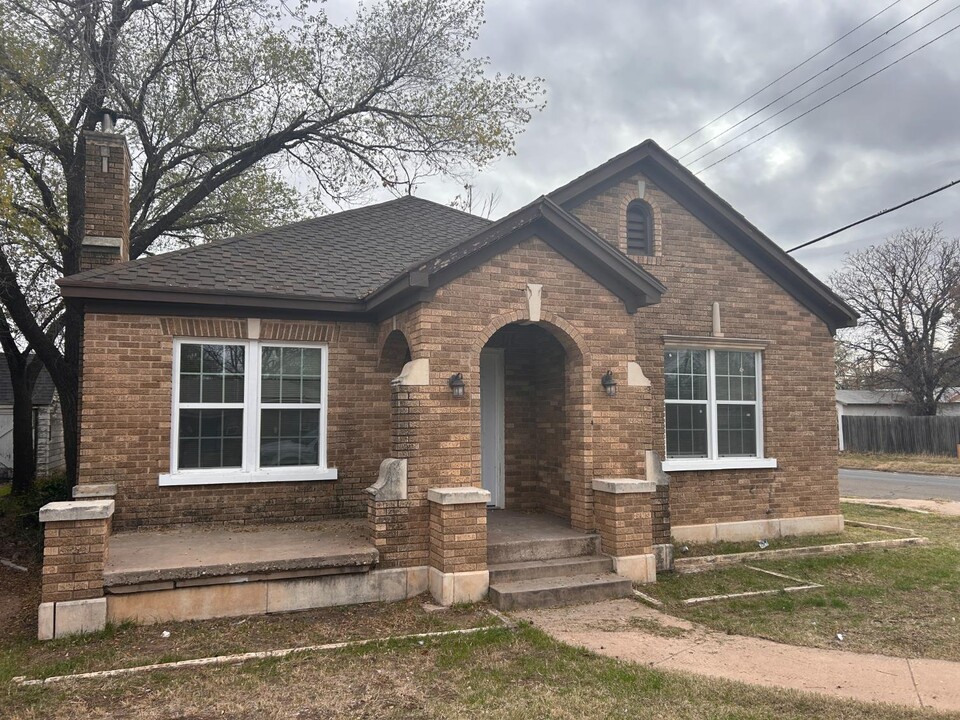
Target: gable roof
(548, 221)
(364, 261)
(872, 397)
(717, 214)
(43, 389)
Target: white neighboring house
(886, 403)
(47, 424)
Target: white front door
(491, 424)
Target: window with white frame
(248, 411)
(713, 408)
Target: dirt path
(627, 630)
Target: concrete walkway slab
(622, 629)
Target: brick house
(404, 397)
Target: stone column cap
(77, 510)
(624, 485)
(94, 490)
(458, 495)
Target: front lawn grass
(499, 673)
(924, 464)
(901, 601)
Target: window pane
(311, 390)
(736, 375)
(686, 427)
(189, 358)
(270, 365)
(736, 430)
(290, 390)
(210, 439)
(292, 364)
(270, 389)
(311, 361)
(211, 373)
(289, 438)
(189, 388)
(685, 374)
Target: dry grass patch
(924, 464)
(903, 601)
(496, 674)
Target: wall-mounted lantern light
(456, 385)
(609, 384)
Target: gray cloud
(620, 71)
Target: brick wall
(106, 199)
(125, 422)
(74, 553)
(458, 537)
(624, 521)
(799, 417)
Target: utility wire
(814, 77)
(821, 87)
(876, 215)
(829, 99)
(788, 72)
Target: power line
(821, 87)
(814, 77)
(788, 72)
(876, 215)
(829, 99)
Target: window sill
(695, 464)
(233, 477)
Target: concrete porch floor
(185, 554)
(508, 526)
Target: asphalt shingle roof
(346, 255)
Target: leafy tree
(906, 291)
(227, 106)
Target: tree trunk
(24, 456)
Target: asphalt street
(877, 484)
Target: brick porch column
(75, 542)
(458, 544)
(625, 520)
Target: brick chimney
(106, 217)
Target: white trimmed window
(713, 409)
(248, 411)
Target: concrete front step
(558, 567)
(537, 549)
(555, 591)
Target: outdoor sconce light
(609, 384)
(456, 385)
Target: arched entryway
(531, 419)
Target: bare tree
(225, 104)
(906, 290)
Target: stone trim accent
(414, 373)
(639, 568)
(460, 587)
(714, 342)
(624, 485)
(759, 529)
(391, 483)
(458, 495)
(204, 602)
(77, 510)
(71, 617)
(91, 491)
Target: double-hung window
(713, 409)
(248, 411)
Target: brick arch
(394, 352)
(577, 435)
(566, 334)
(656, 222)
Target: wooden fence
(902, 435)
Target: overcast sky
(620, 71)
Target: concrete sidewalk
(622, 629)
